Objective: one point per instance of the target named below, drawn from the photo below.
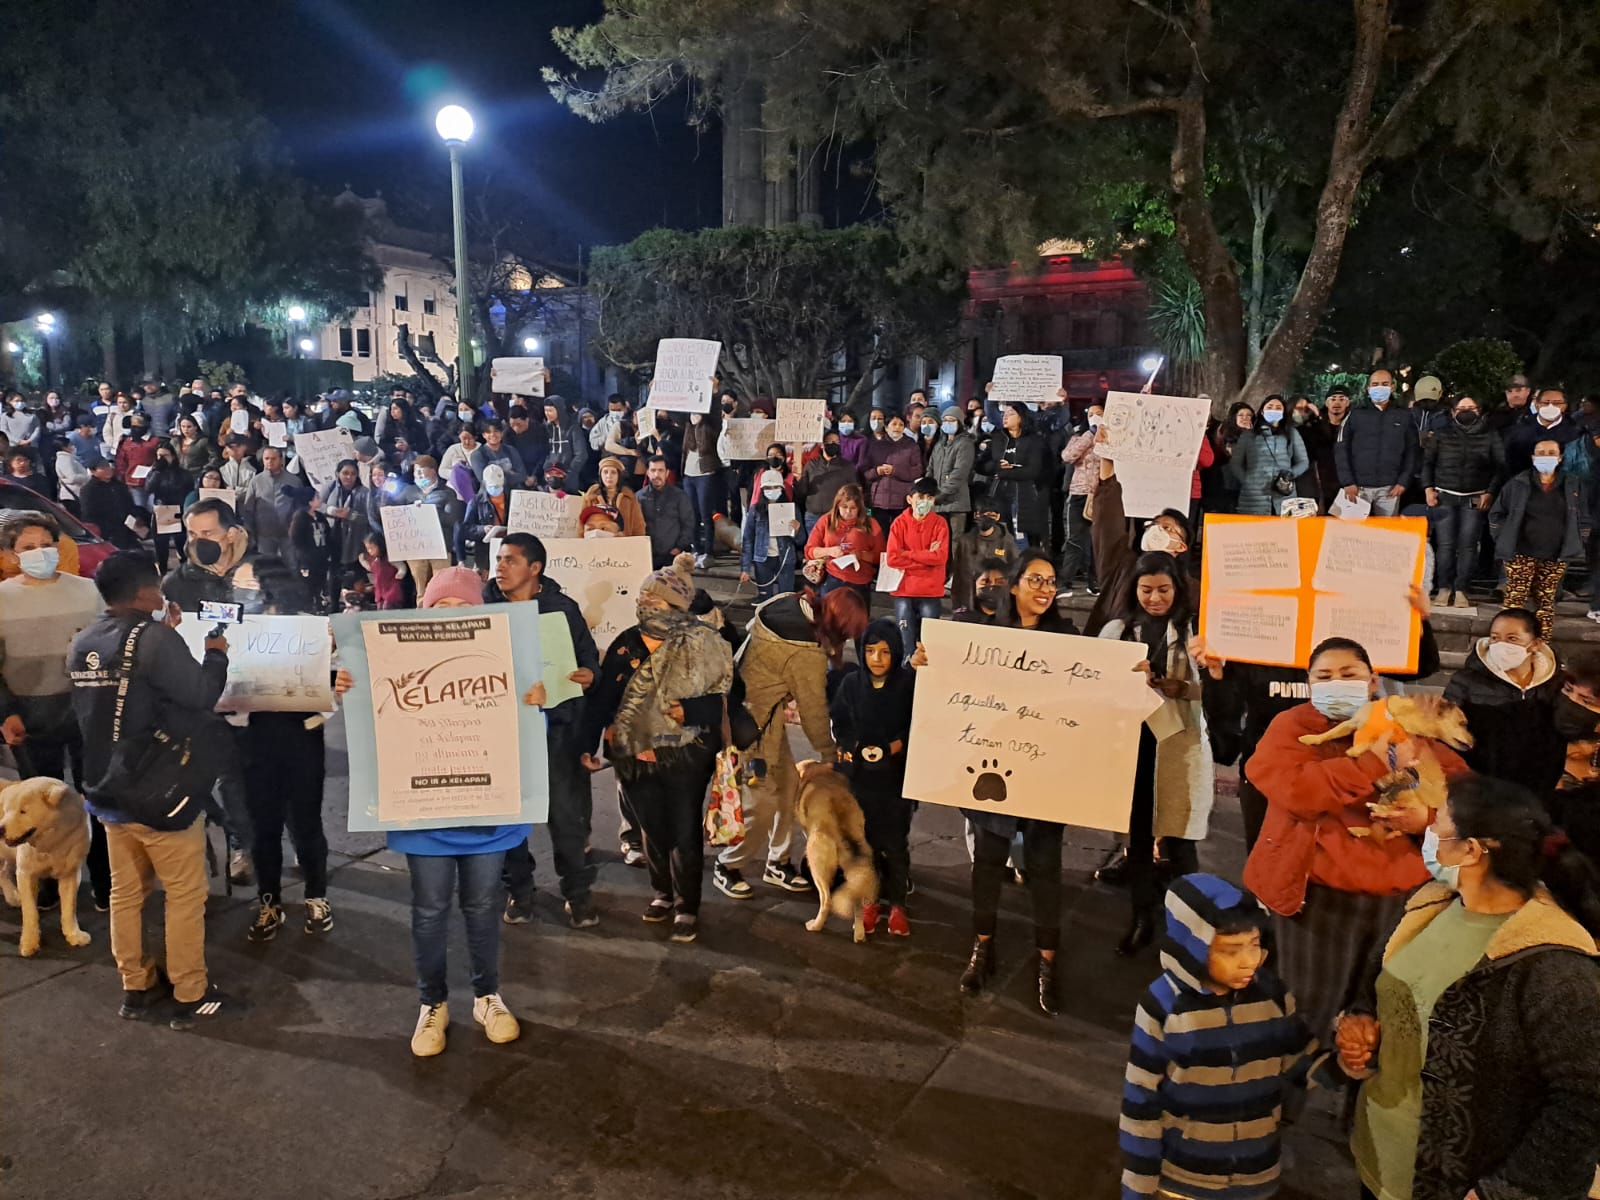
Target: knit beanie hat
(459, 583)
(609, 461)
(674, 584)
(349, 421)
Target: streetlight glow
(296, 313)
(1149, 363)
(45, 321)
(13, 348)
(454, 123)
(529, 344)
(307, 345)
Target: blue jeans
(433, 877)
(1456, 524)
(910, 612)
(705, 491)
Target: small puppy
(836, 839)
(1379, 724)
(46, 831)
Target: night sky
(352, 86)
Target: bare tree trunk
(148, 348)
(107, 334)
(432, 390)
(1262, 202)
(744, 183)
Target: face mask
(1379, 394)
(1545, 464)
(922, 507)
(465, 414)
(929, 430)
(728, 408)
(425, 483)
(494, 489)
(1572, 720)
(1156, 540)
(1301, 416)
(772, 493)
(830, 449)
(949, 428)
(1467, 418)
(593, 533)
(1340, 699)
(846, 428)
(988, 426)
(1272, 416)
(1449, 876)
(1505, 656)
(1094, 423)
(319, 408)
(1549, 413)
(775, 463)
(40, 562)
(896, 435)
(987, 597)
(696, 418)
(877, 425)
(206, 553)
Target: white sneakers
(489, 1011)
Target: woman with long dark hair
(702, 479)
(846, 533)
(1020, 465)
(1267, 461)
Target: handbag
(815, 570)
(725, 805)
(148, 779)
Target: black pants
(1253, 806)
(670, 803)
(888, 816)
(1182, 853)
(283, 786)
(1041, 864)
(571, 810)
(1076, 551)
(49, 757)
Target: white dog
(46, 830)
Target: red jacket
(909, 549)
(132, 454)
(1314, 795)
(862, 541)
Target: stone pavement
(761, 1061)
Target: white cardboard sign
(682, 379)
(1031, 379)
(1155, 443)
(517, 376)
(603, 575)
(275, 663)
(800, 422)
(322, 451)
(412, 532)
(544, 514)
(749, 437)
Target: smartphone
(215, 610)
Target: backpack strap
(125, 670)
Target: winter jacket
(1523, 436)
(950, 466)
(1025, 485)
(864, 541)
(107, 505)
(134, 453)
(766, 555)
(196, 456)
(853, 449)
(889, 492)
(1507, 517)
(1315, 796)
(167, 690)
(1208, 1075)
(395, 493)
(1511, 1073)
(569, 441)
(550, 598)
(626, 504)
(1079, 454)
(231, 581)
(820, 481)
(911, 550)
(350, 530)
(269, 502)
(1377, 447)
(868, 720)
(626, 654)
(1464, 460)
(1259, 457)
(783, 661)
(483, 514)
(510, 462)
(1513, 738)
(1321, 482)
(669, 517)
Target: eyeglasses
(1040, 583)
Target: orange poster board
(1271, 588)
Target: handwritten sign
(560, 659)
(276, 433)
(517, 376)
(748, 437)
(167, 519)
(1155, 443)
(227, 495)
(544, 514)
(889, 577)
(1031, 379)
(438, 735)
(1272, 588)
(682, 379)
(322, 451)
(645, 423)
(603, 575)
(800, 422)
(1003, 716)
(239, 421)
(275, 663)
(412, 532)
(780, 520)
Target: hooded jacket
(1207, 1074)
(550, 598)
(569, 441)
(868, 720)
(230, 581)
(910, 550)
(1513, 737)
(1510, 514)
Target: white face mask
(1156, 540)
(772, 493)
(593, 533)
(1505, 656)
(1545, 464)
(1549, 414)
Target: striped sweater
(1207, 1074)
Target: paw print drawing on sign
(990, 785)
(622, 589)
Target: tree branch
(1413, 91)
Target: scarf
(691, 661)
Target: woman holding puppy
(1336, 875)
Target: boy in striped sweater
(1216, 1045)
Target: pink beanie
(460, 583)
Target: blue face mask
(40, 562)
(1449, 876)
(987, 426)
(1340, 699)
(494, 489)
(1272, 416)
(949, 428)
(847, 427)
(1379, 394)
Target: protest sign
(1272, 588)
(275, 663)
(1031, 379)
(437, 732)
(889, 577)
(800, 422)
(780, 520)
(1027, 724)
(276, 433)
(682, 379)
(239, 421)
(644, 424)
(560, 659)
(603, 575)
(139, 474)
(517, 376)
(749, 437)
(1155, 443)
(321, 453)
(544, 514)
(413, 531)
(167, 519)
(227, 495)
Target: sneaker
(659, 911)
(427, 1039)
(731, 883)
(48, 895)
(319, 915)
(783, 875)
(1594, 616)
(269, 919)
(1441, 597)
(491, 1012)
(582, 914)
(700, 562)
(102, 904)
(1463, 602)
(632, 856)
(684, 928)
(1064, 594)
(899, 923)
(239, 867)
(141, 1005)
(869, 918)
(213, 1004)
(518, 912)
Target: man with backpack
(140, 698)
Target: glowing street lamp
(13, 348)
(530, 344)
(296, 313)
(455, 126)
(307, 345)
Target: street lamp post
(455, 126)
(45, 322)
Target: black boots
(1140, 934)
(980, 967)
(1047, 986)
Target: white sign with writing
(1155, 443)
(544, 514)
(800, 422)
(603, 575)
(167, 519)
(275, 663)
(749, 437)
(517, 376)
(239, 421)
(227, 495)
(1027, 724)
(277, 433)
(644, 424)
(682, 379)
(1031, 379)
(413, 531)
(322, 451)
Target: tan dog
(46, 830)
(836, 837)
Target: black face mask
(1466, 419)
(729, 409)
(775, 462)
(985, 523)
(988, 598)
(830, 449)
(207, 554)
(1572, 720)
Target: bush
(1478, 367)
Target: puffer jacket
(1464, 460)
(1513, 737)
(1257, 459)
(783, 661)
(1377, 447)
(950, 466)
(1510, 511)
